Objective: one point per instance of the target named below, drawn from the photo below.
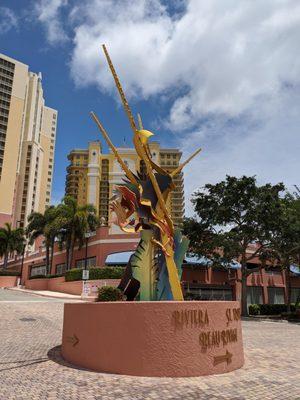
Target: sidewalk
(48, 293)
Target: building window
(254, 295)
(38, 270)
(206, 293)
(60, 269)
(91, 262)
(276, 295)
(295, 293)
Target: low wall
(8, 281)
(172, 339)
(37, 284)
(73, 287)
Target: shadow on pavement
(55, 355)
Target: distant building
(27, 142)
(92, 175)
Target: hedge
(269, 309)
(95, 273)
(38, 277)
(54, 276)
(109, 293)
(9, 273)
(49, 276)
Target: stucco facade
(27, 142)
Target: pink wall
(36, 284)
(8, 281)
(74, 287)
(163, 339)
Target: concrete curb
(266, 319)
(53, 296)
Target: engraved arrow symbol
(226, 357)
(73, 340)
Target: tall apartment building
(27, 142)
(92, 174)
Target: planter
(8, 281)
(173, 339)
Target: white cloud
(267, 148)
(8, 20)
(230, 71)
(48, 13)
(226, 54)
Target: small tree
(236, 213)
(284, 239)
(45, 224)
(75, 221)
(11, 240)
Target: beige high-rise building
(92, 174)
(27, 143)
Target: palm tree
(76, 222)
(11, 240)
(44, 224)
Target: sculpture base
(170, 339)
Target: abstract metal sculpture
(154, 270)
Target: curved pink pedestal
(174, 339)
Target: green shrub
(48, 276)
(3, 272)
(54, 276)
(109, 293)
(95, 273)
(38, 277)
(254, 309)
(269, 309)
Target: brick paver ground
(31, 366)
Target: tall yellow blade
(120, 90)
(178, 169)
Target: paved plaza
(31, 366)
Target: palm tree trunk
(71, 253)
(51, 254)
(67, 256)
(5, 259)
(244, 284)
(47, 257)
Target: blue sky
(220, 75)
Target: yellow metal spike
(178, 169)
(140, 121)
(120, 90)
